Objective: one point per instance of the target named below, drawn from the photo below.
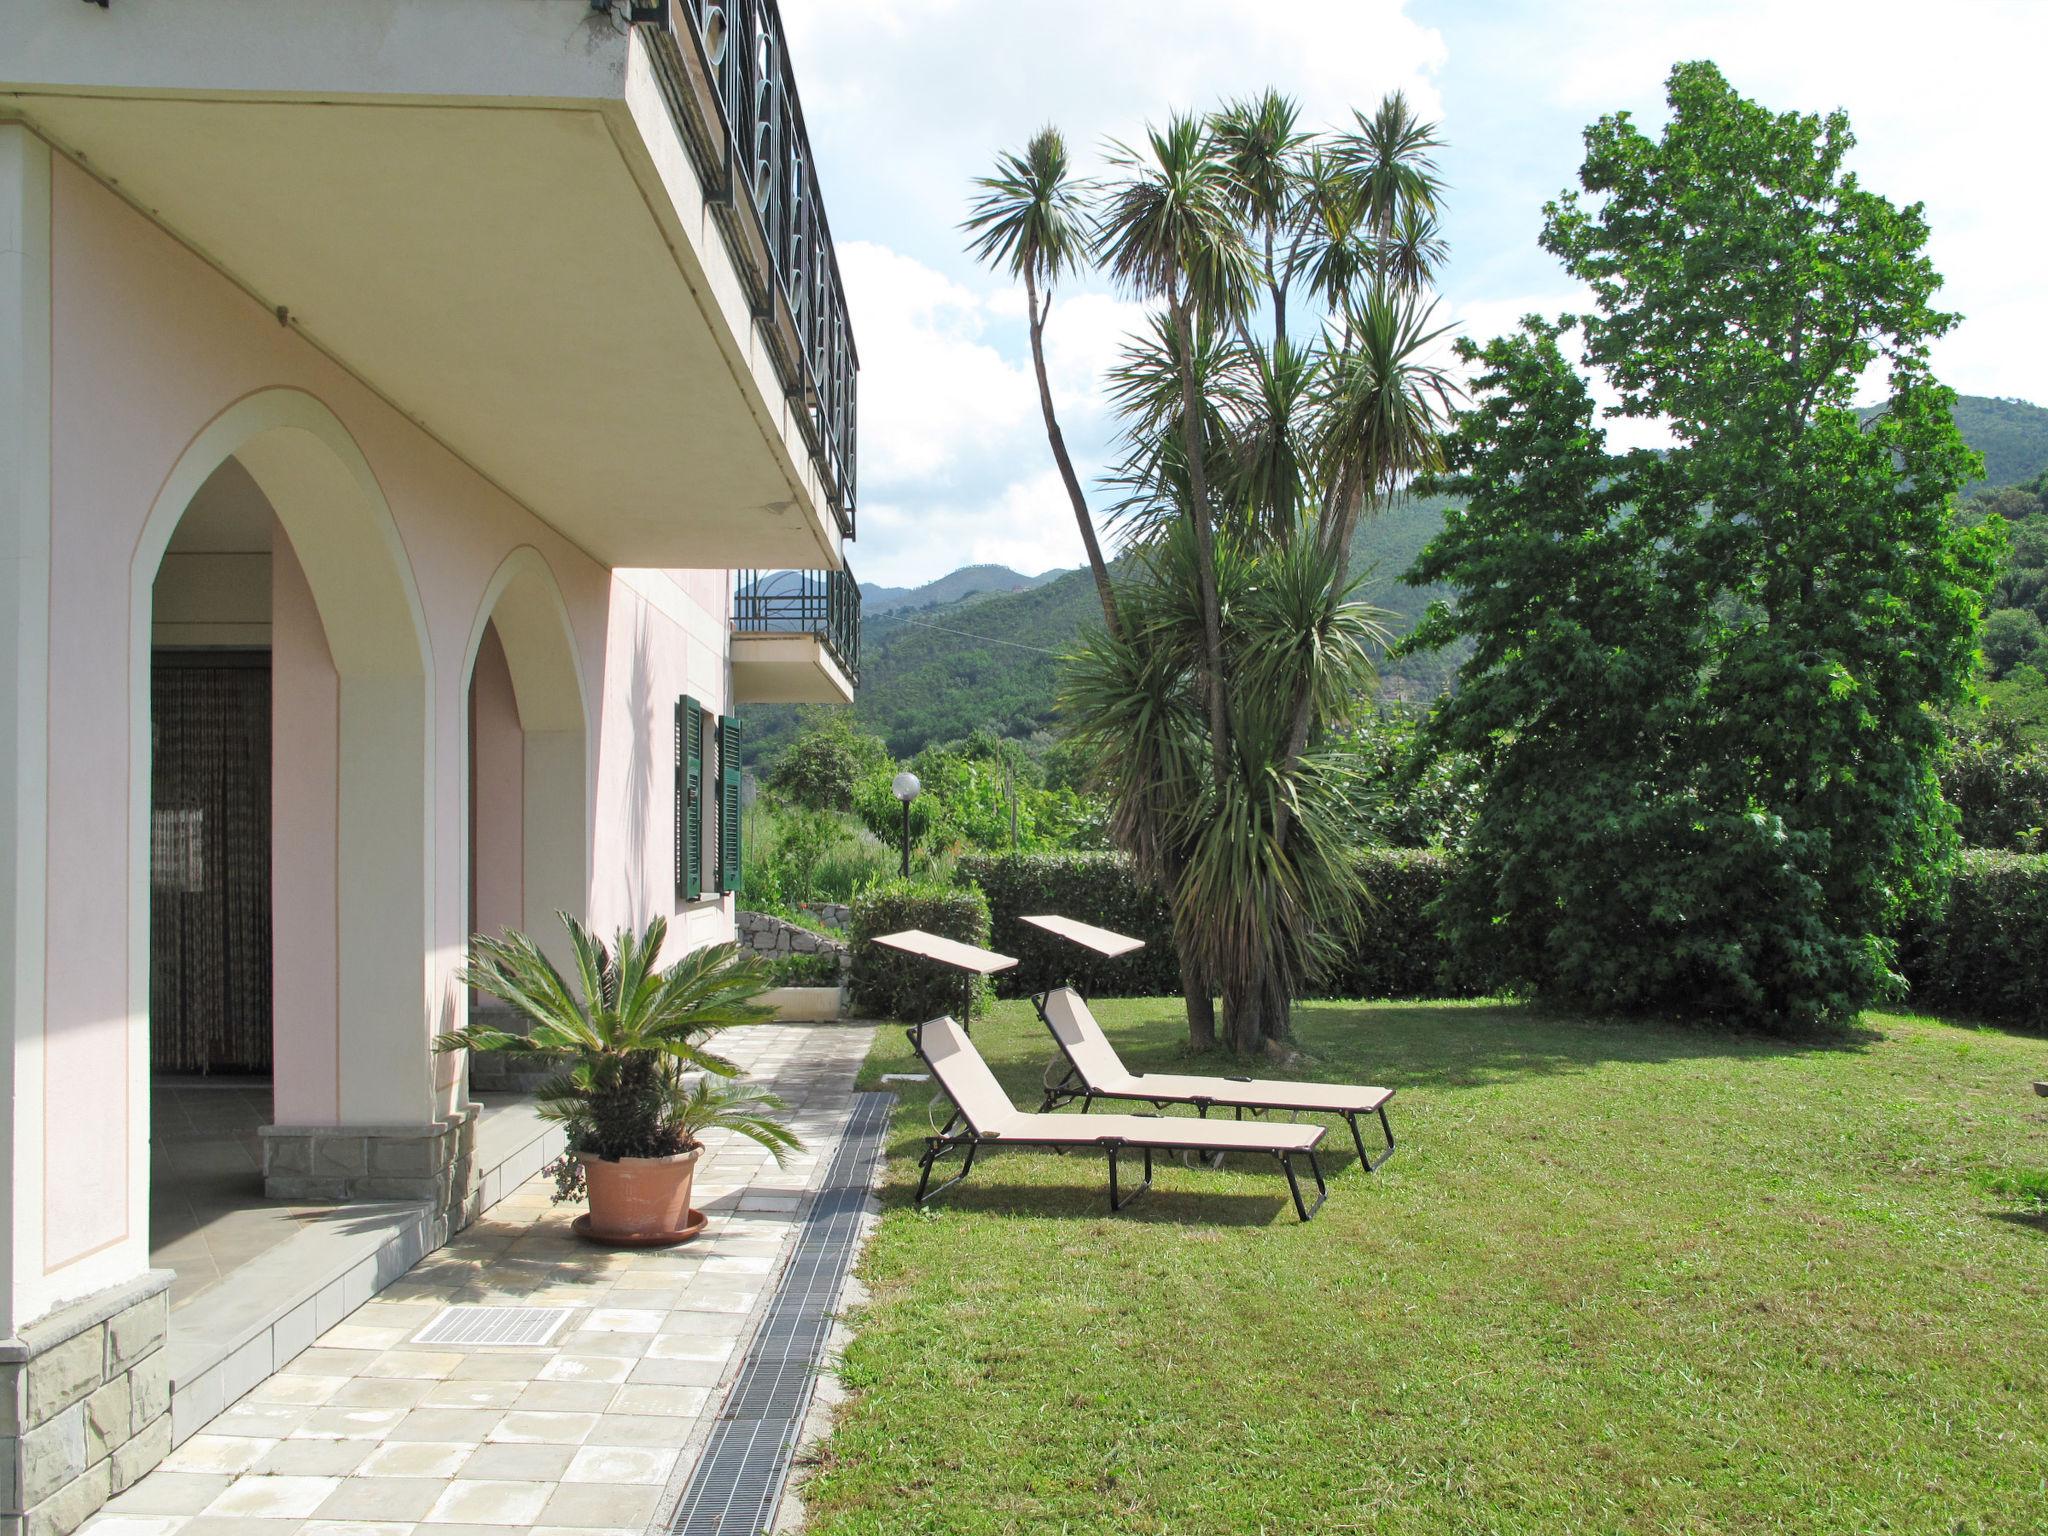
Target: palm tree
(1259, 138)
(1214, 704)
(1169, 231)
(1256, 910)
(1031, 218)
(1389, 160)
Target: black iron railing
(821, 603)
(735, 98)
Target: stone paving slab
(370, 1434)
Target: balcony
(796, 637)
(584, 248)
(741, 116)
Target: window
(689, 800)
(707, 777)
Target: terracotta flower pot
(640, 1199)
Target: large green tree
(1211, 706)
(1704, 683)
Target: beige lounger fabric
(1087, 935)
(969, 1083)
(962, 957)
(1104, 1073)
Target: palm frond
(1168, 227)
(1390, 160)
(1031, 216)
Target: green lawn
(1618, 1278)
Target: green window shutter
(728, 803)
(689, 799)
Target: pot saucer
(691, 1228)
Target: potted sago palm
(638, 1084)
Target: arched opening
(279, 818)
(528, 749)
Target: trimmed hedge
(1399, 952)
(1097, 888)
(889, 984)
(1986, 953)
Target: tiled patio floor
(369, 1434)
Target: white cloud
(955, 468)
(908, 100)
(1945, 110)
(932, 386)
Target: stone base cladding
(507, 1071)
(435, 1163)
(776, 938)
(85, 1396)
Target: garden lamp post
(906, 786)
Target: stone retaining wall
(85, 1400)
(775, 938)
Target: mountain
(940, 671)
(2011, 434)
(967, 650)
(968, 582)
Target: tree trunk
(1201, 1007)
(1256, 1014)
(1244, 1028)
(1205, 550)
(1096, 565)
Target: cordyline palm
(1260, 140)
(1246, 465)
(1381, 405)
(1258, 913)
(1169, 230)
(1031, 219)
(628, 1034)
(1389, 158)
(1255, 400)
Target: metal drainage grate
(509, 1326)
(737, 1483)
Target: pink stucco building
(388, 396)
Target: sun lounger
(984, 1116)
(1095, 1071)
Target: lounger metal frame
(1074, 1088)
(958, 1133)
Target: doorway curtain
(209, 862)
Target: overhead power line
(984, 639)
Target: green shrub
(794, 855)
(1984, 952)
(1998, 783)
(890, 984)
(1981, 954)
(1399, 951)
(819, 769)
(1096, 888)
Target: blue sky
(907, 100)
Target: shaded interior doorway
(209, 862)
(211, 936)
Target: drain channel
(737, 1483)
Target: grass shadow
(1451, 1046)
(1177, 1207)
(2033, 1221)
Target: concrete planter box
(805, 1005)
